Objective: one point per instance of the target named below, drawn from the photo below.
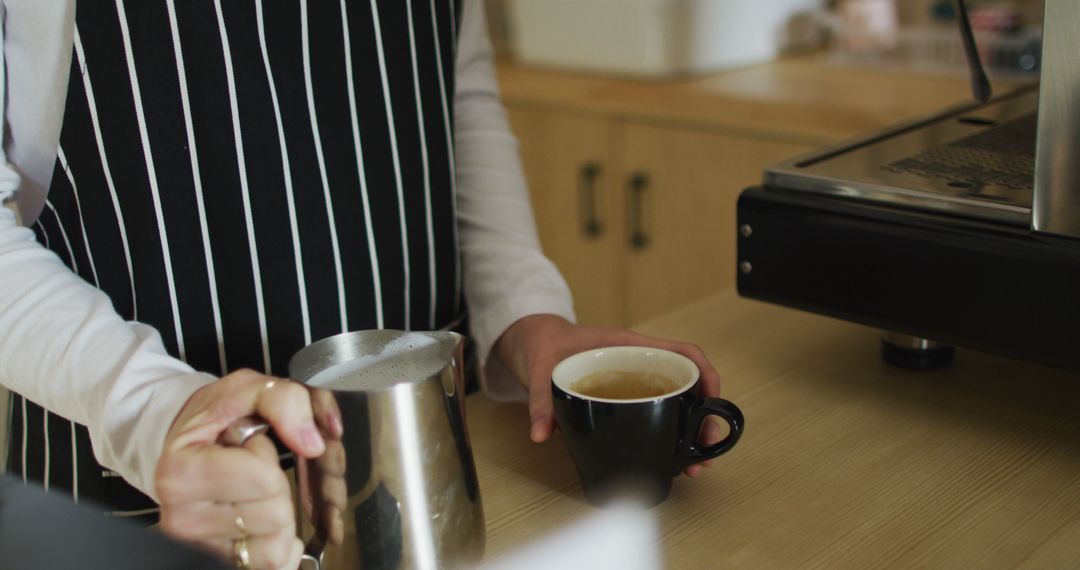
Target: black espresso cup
(630, 417)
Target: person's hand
(323, 491)
(533, 346)
(212, 495)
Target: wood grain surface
(845, 462)
(800, 100)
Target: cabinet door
(680, 191)
(566, 161)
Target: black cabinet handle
(638, 238)
(590, 222)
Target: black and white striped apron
(248, 176)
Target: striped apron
(248, 176)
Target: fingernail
(538, 427)
(311, 440)
(334, 421)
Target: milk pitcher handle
(235, 435)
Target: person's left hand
(533, 346)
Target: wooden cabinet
(567, 161)
(635, 183)
(640, 219)
(685, 184)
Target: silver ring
(241, 556)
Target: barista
(209, 186)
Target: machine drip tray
(975, 160)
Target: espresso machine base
(914, 353)
(990, 286)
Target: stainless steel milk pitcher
(407, 496)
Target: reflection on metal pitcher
(400, 489)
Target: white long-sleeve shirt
(64, 346)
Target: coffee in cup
(624, 385)
(630, 418)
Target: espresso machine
(962, 229)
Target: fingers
(277, 552)
(268, 524)
(325, 475)
(710, 435)
(213, 473)
(709, 386)
(710, 431)
(334, 524)
(262, 447)
(203, 487)
(206, 521)
(327, 413)
(331, 463)
(329, 491)
(710, 378)
(534, 345)
(286, 406)
(541, 410)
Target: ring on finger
(268, 386)
(241, 556)
(239, 521)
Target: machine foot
(913, 353)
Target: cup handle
(695, 452)
(235, 435)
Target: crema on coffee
(619, 385)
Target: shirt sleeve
(64, 347)
(506, 275)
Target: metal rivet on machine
(745, 267)
(746, 230)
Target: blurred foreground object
(625, 537)
(49, 531)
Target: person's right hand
(203, 487)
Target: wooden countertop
(801, 100)
(846, 462)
